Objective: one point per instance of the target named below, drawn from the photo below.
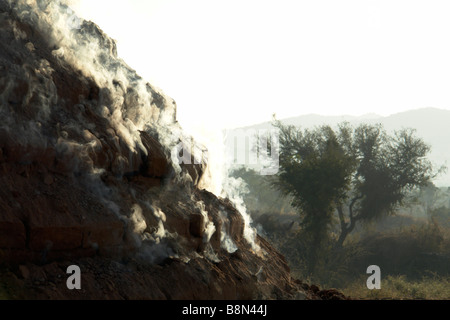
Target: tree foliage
(361, 173)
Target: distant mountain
(432, 125)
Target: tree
(361, 173)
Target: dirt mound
(89, 177)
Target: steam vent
(88, 177)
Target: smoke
(126, 100)
(30, 103)
(217, 179)
(233, 189)
(208, 226)
(225, 240)
(155, 244)
(160, 232)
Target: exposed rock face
(88, 176)
(79, 150)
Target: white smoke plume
(157, 244)
(225, 240)
(126, 101)
(160, 232)
(217, 180)
(208, 226)
(233, 189)
(138, 222)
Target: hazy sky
(230, 63)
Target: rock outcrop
(89, 176)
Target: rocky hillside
(89, 177)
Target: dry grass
(400, 288)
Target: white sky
(230, 63)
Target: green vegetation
(400, 288)
(416, 251)
(363, 170)
(347, 199)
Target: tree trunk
(343, 236)
(314, 251)
(346, 228)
